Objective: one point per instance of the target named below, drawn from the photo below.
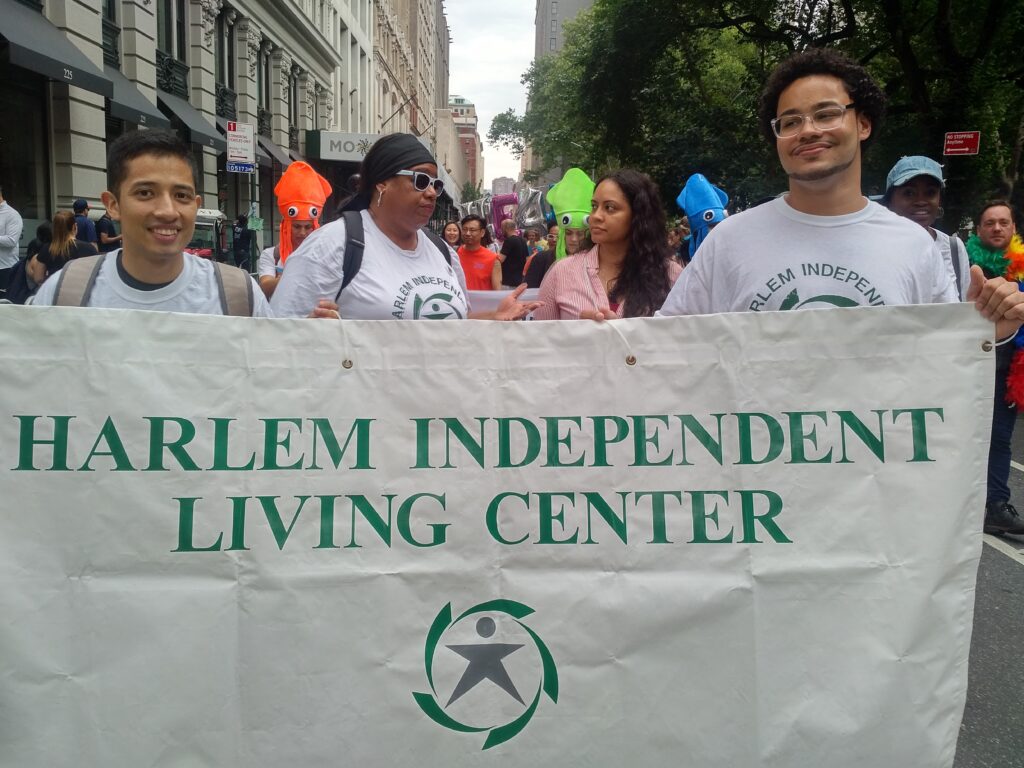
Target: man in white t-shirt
(151, 192)
(824, 244)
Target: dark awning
(262, 158)
(274, 151)
(30, 41)
(129, 104)
(294, 155)
(201, 131)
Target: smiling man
(823, 244)
(152, 193)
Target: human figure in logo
(485, 663)
(403, 268)
(824, 244)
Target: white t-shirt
(267, 266)
(194, 291)
(392, 283)
(773, 257)
(945, 243)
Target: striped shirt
(572, 286)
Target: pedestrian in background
(86, 228)
(242, 242)
(480, 264)
(109, 240)
(513, 256)
(914, 190)
(10, 239)
(452, 234)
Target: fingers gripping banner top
(734, 540)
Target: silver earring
(380, 196)
(939, 214)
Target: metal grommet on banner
(630, 359)
(987, 346)
(346, 364)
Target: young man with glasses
(481, 265)
(823, 244)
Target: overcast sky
(492, 46)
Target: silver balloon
(530, 214)
(548, 211)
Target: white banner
(735, 540)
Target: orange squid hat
(301, 193)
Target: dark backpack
(17, 288)
(355, 244)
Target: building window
(554, 26)
(109, 11)
(551, 44)
(170, 27)
(225, 53)
(554, 7)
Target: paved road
(992, 732)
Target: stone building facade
(284, 66)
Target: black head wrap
(388, 155)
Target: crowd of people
(610, 254)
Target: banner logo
(475, 667)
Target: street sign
(962, 143)
(241, 167)
(241, 145)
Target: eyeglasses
(824, 119)
(421, 181)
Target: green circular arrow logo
(484, 662)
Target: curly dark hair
(864, 92)
(643, 283)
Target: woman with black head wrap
(404, 273)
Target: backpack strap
(354, 246)
(954, 249)
(234, 287)
(76, 281)
(442, 246)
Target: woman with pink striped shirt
(628, 272)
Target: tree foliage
(671, 87)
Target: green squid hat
(570, 198)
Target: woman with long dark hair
(628, 272)
(64, 245)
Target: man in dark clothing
(109, 240)
(513, 256)
(242, 242)
(86, 229)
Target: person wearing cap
(914, 190)
(301, 193)
(405, 273)
(86, 229)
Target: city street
(992, 733)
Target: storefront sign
(343, 147)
